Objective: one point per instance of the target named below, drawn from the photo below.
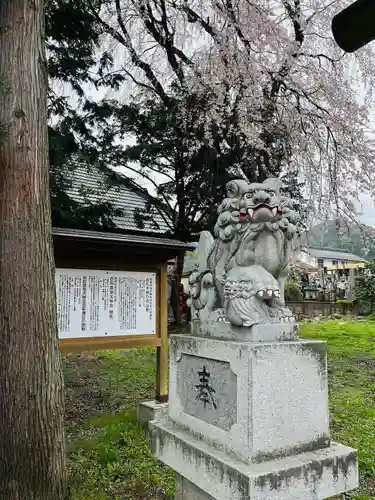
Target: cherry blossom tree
(289, 82)
(276, 85)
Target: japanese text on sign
(105, 303)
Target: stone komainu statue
(241, 272)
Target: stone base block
(186, 490)
(151, 410)
(217, 476)
(255, 400)
(267, 332)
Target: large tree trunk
(32, 448)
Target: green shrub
(292, 291)
(365, 291)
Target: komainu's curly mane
(237, 233)
(242, 273)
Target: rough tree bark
(32, 450)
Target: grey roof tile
(88, 185)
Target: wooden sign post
(99, 309)
(103, 303)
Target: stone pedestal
(250, 420)
(185, 490)
(151, 410)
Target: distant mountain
(356, 238)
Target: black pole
(354, 27)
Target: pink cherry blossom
(271, 73)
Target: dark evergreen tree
(294, 188)
(74, 31)
(194, 172)
(72, 39)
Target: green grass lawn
(108, 453)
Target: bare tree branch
(125, 40)
(156, 185)
(161, 31)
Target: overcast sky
(368, 210)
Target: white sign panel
(105, 303)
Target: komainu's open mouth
(264, 212)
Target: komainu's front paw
(288, 319)
(268, 294)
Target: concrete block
(151, 410)
(267, 332)
(255, 401)
(185, 490)
(212, 474)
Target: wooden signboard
(95, 303)
(113, 309)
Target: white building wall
(329, 262)
(306, 258)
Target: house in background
(138, 215)
(329, 258)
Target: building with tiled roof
(88, 185)
(319, 258)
